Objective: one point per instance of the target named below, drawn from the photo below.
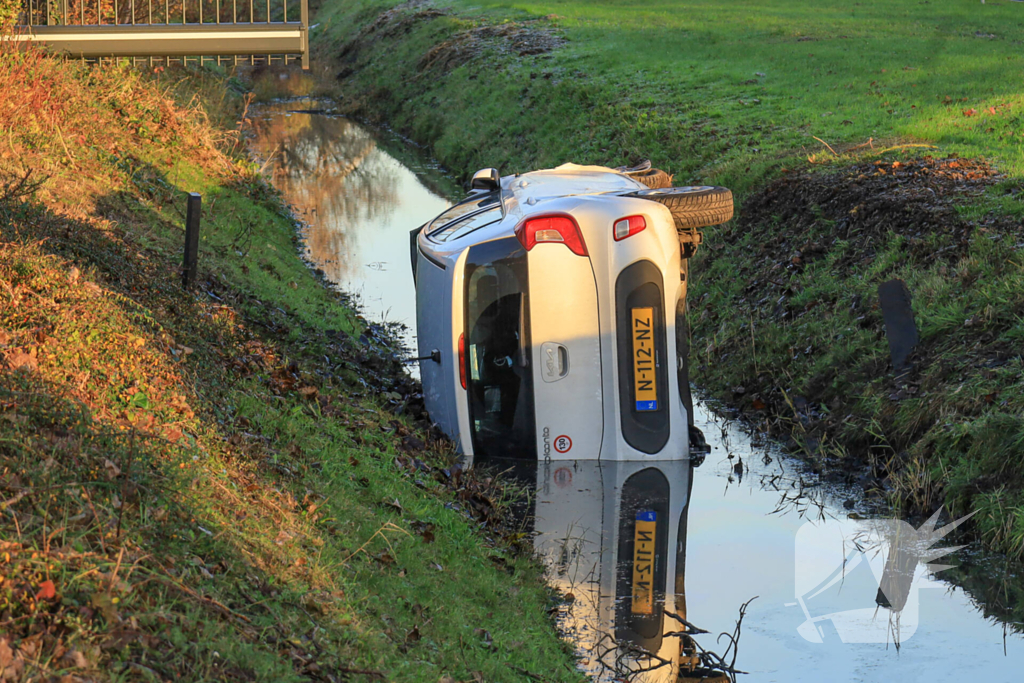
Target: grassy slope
(707, 89)
(213, 485)
(733, 92)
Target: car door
(567, 353)
(434, 334)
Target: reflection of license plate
(642, 321)
(643, 562)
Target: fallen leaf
(75, 659)
(110, 469)
(6, 655)
(424, 529)
(47, 591)
(19, 360)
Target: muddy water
(755, 524)
(357, 200)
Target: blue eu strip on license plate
(645, 531)
(644, 406)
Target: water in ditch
(753, 524)
(358, 191)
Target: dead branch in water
(712, 662)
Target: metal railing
(252, 31)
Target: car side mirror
(485, 179)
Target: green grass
(740, 93)
(214, 485)
(705, 89)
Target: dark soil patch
(915, 198)
(506, 39)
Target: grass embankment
(223, 484)
(786, 320)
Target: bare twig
(827, 145)
(20, 188)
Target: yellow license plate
(644, 381)
(643, 562)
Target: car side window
(464, 210)
(464, 226)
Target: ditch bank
(796, 343)
(226, 482)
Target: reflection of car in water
(613, 535)
(550, 314)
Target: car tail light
(628, 226)
(462, 360)
(557, 228)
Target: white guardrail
(247, 31)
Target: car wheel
(693, 207)
(653, 178)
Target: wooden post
(304, 18)
(188, 272)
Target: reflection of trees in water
(331, 171)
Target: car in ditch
(551, 314)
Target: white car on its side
(551, 314)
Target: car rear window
(499, 377)
(487, 205)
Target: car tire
(653, 178)
(693, 207)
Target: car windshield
(464, 210)
(500, 384)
